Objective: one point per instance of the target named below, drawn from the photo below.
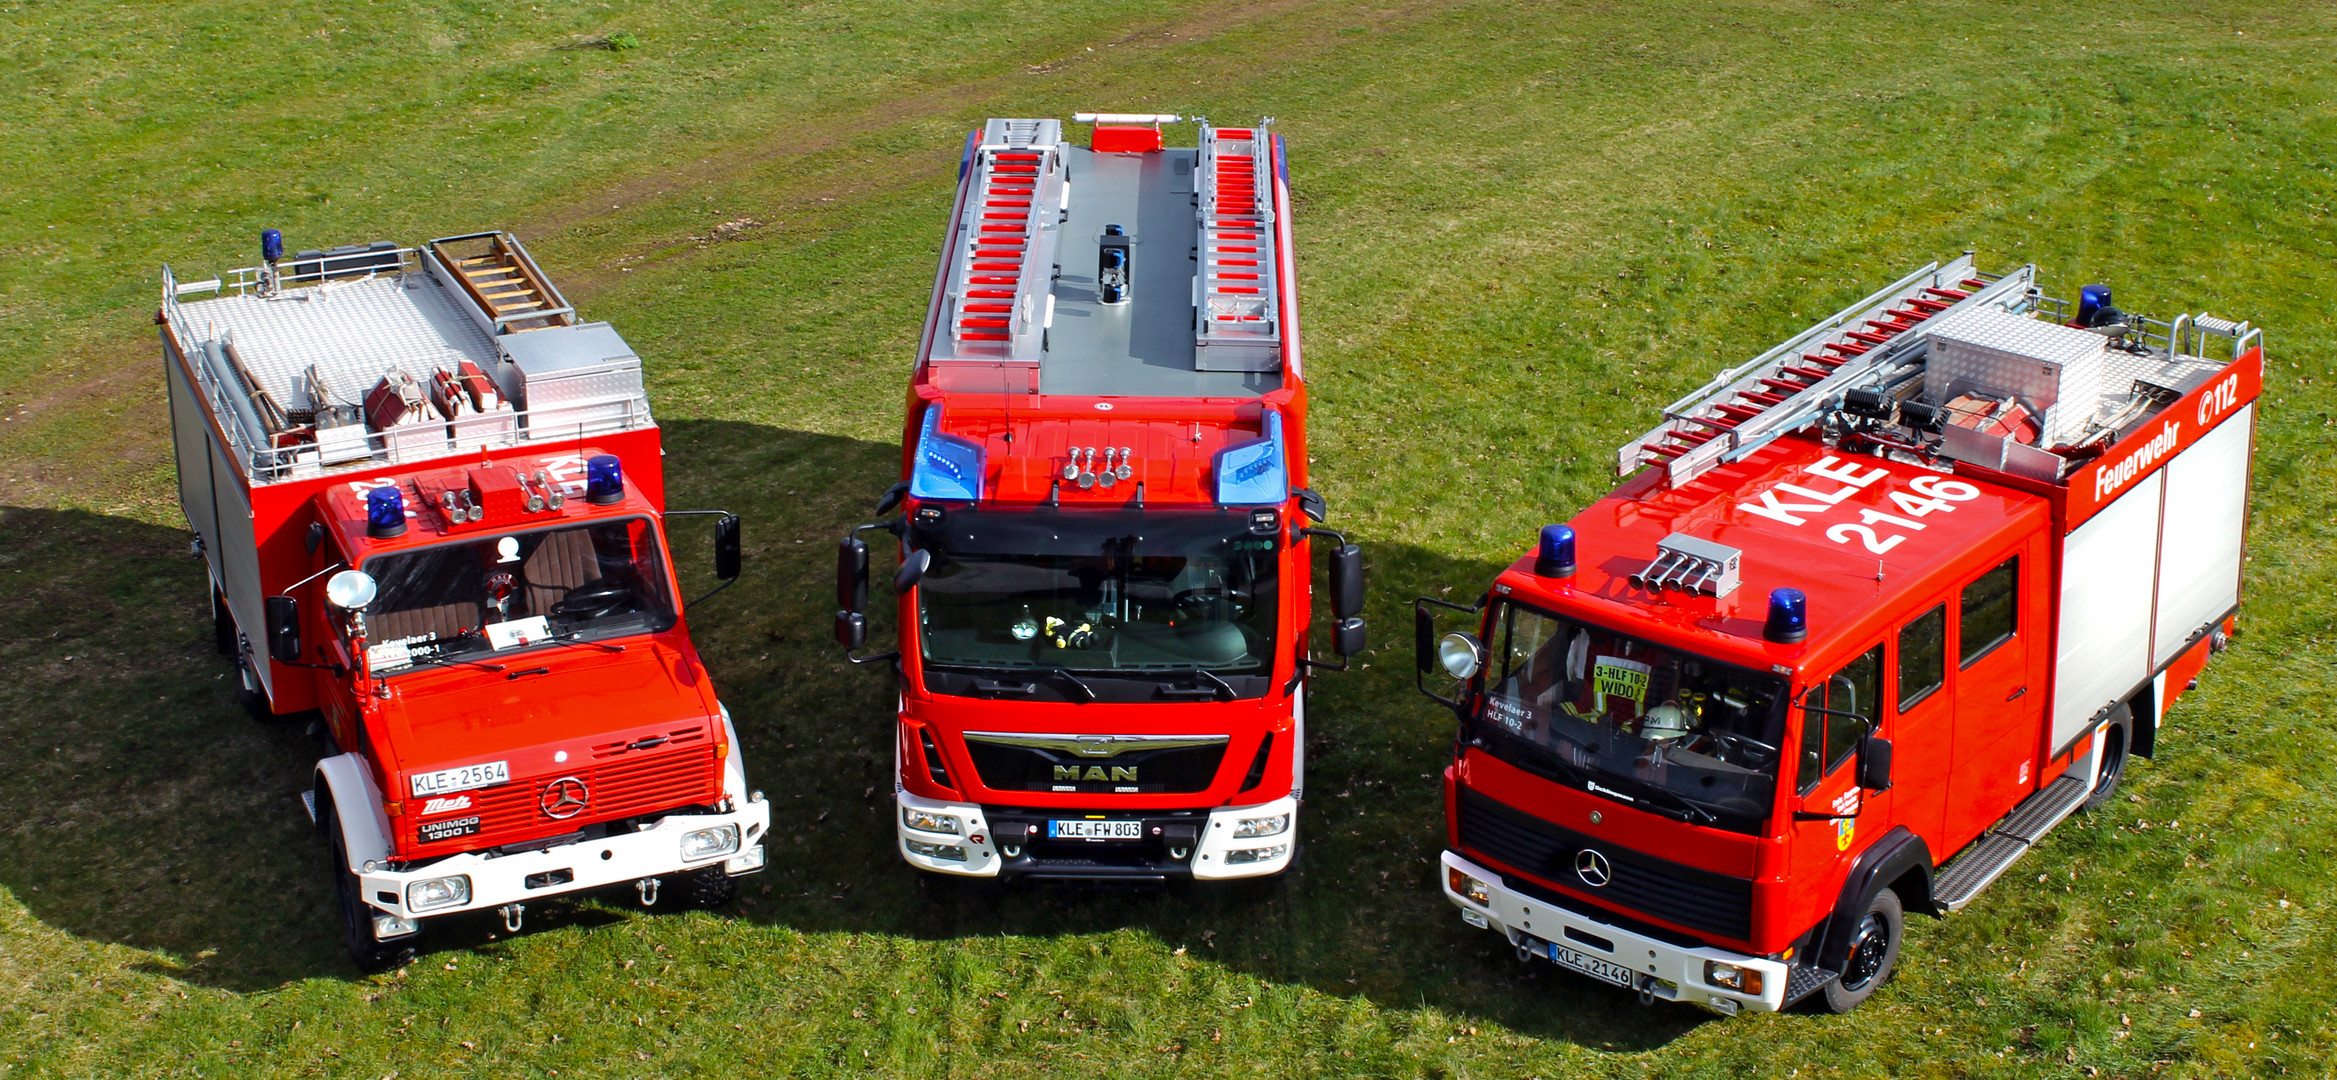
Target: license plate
(434, 831)
(484, 774)
(1592, 966)
(1095, 830)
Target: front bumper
(618, 859)
(980, 848)
(1658, 968)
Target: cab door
(1923, 699)
(1999, 706)
(1832, 815)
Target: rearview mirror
(284, 629)
(912, 570)
(1874, 763)
(726, 548)
(1423, 640)
(852, 574)
(851, 629)
(1346, 581)
(1347, 637)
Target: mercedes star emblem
(564, 798)
(1593, 868)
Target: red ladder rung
(1948, 294)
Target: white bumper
(496, 880)
(1677, 972)
(971, 852)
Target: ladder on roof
(1789, 386)
(1004, 262)
(1237, 325)
(501, 278)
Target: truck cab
(1106, 538)
(1724, 728)
(469, 585)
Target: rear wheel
(2113, 769)
(222, 623)
(368, 952)
(1874, 954)
(250, 692)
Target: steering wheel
(593, 599)
(1190, 599)
(1753, 750)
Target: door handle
(2017, 691)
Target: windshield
(1119, 591)
(503, 592)
(1667, 731)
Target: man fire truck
(432, 507)
(1890, 601)
(1104, 589)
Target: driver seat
(565, 560)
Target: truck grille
(636, 783)
(1138, 764)
(1700, 899)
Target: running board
(1802, 980)
(1981, 864)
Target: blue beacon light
(1556, 555)
(271, 246)
(1789, 619)
(604, 480)
(385, 513)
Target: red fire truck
(1886, 604)
(1104, 586)
(432, 506)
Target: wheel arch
(1899, 861)
(343, 784)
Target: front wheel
(370, 954)
(707, 886)
(1874, 954)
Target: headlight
(437, 893)
(1470, 888)
(1275, 825)
(945, 852)
(1242, 856)
(1731, 977)
(928, 821)
(707, 843)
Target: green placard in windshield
(1616, 677)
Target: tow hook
(1647, 990)
(648, 887)
(1525, 953)
(512, 915)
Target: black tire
(370, 955)
(1874, 954)
(705, 887)
(2115, 739)
(222, 624)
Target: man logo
(1117, 774)
(564, 798)
(1593, 868)
(1097, 746)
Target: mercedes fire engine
(1886, 604)
(432, 506)
(1104, 581)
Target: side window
(1922, 657)
(1830, 737)
(1990, 610)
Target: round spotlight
(350, 590)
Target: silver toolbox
(576, 375)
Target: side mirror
(284, 629)
(1423, 640)
(912, 570)
(1346, 581)
(726, 549)
(1874, 763)
(852, 575)
(1462, 655)
(851, 629)
(1347, 637)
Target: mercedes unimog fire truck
(1104, 586)
(432, 505)
(1879, 609)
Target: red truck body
(1672, 778)
(508, 697)
(1104, 484)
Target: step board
(1981, 864)
(1802, 980)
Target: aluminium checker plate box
(576, 375)
(2057, 370)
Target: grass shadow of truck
(161, 817)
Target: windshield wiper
(437, 659)
(1224, 688)
(1686, 804)
(574, 638)
(1085, 691)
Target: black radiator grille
(1169, 770)
(1714, 903)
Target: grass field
(1521, 229)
